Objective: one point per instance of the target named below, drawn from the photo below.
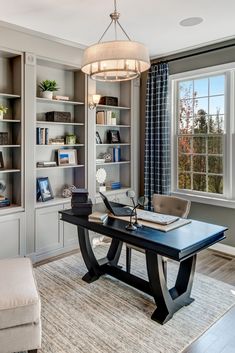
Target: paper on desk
(164, 228)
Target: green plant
(48, 85)
(3, 109)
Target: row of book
(4, 202)
(114, 185)
(107, 117)
(42, 136)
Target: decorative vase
(1, 115)
(47, 94)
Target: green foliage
(3, 109)
(200, 146)
(48, 85)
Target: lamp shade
(118, 60)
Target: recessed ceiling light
(191, 21)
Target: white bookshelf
(72, 84)
(12, 152)
(123, 170)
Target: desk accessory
(81, 204)
(142, 201)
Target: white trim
(41, 35)
(226, 249)
(193, 47)
(228, 198)
(208, 200)
(201, 72)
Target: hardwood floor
(220, 337)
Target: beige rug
(108, 316)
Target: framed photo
(67, 157)
(1, 161)
(113, 136)
(98, 138)
(44, 189)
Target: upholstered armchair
(20, 321)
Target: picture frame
(1, 161)
(67, 157)
(44, 190)
(113, 136)
(98, 138)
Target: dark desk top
(177, 244)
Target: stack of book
(113, 185)
(98, 217)
(104, 117)
(42, 136)
(4, 202)
(46, 164)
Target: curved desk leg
(92, 264)
(88, 256)
(114, 252)
(169, 301)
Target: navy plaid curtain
(157, 133)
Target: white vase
(1, 115)
(47, 94)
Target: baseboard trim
(226, 249)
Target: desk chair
(169, 205)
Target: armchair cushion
(19, 298)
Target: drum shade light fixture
(117, 60)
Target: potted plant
(48, 87)
(3, 111)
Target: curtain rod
(156, 61)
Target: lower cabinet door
(70, 232)
(49, 229)
(12, 235)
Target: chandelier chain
(114, 19)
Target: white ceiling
(153, 22)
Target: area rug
(108, 316)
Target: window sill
(221, 202)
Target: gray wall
(209, 213)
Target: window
(201, 114)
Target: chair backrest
(171, 205)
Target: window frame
(227, 199)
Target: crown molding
(192, 48)
(38, 34)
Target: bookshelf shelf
(53, 202)
(10, 146)
(61, 167)
(9, 171)
(113, 163)
(112, 107)
(55, 101)
(113, 126)
(42, 122)
(10, 121)
(58, 145)
(112, 144)
(9, 96)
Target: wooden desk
(181, 244)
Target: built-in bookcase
(12, 125)
(117, 171)
(71, 83)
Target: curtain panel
(157, 133)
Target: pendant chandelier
(117, 60)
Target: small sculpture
(67, 190)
